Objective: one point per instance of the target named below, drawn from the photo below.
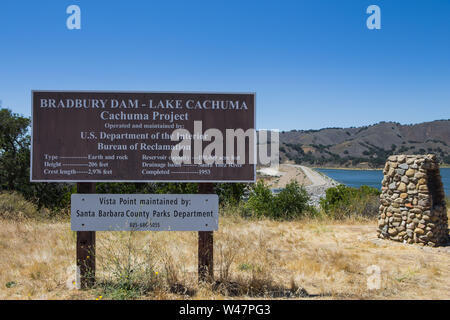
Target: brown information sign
(139, 137)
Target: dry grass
(14, 207)
(263, 259)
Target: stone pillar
(413, 206)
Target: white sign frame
(144, 212)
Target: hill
(367, 146)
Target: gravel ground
(319, 186)
(315, 183)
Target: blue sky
(313, 64)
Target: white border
(146, 181)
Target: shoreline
(320, 183)
(366, 169)
(344, 168)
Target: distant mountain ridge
(367, 146)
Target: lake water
(372, 178)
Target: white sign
(145, 212)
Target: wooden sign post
(205, 244)
(85, 248)
(86, 137)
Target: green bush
(290, 203)
(176, 188)
(230, 193)
(261, 200)
(53, 196)
(344, 202)
(124, 188)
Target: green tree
(261, 201)
(15, 165)
(14, 150)
(291, 202)
(231, 193)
